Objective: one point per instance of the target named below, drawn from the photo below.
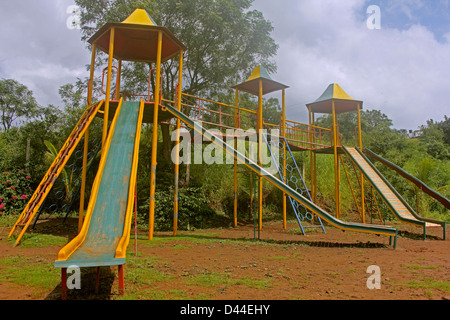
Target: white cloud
(38, 49)
(402, 73)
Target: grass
(36, 240)
(416, 267)
(145, 270)
(428, 283)
(29, 272)
(278, 258)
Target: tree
(445, 127)
(434, 137)
(16, 101)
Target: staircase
(31, 209)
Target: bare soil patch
(281, 265)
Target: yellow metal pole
(108, 89)
(350, 185)
(91, 76)
(119, 79)
(314, 197)
(86, 142)
(312, 157)
(83, 180)
(283, 134)
(362, 176)
(260, 139)
(251, 195)
(155, 138)
(336, 162)
(236, 125)
(177, 148)
(311, 152)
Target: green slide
(106, 219)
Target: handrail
(420, 221)
(422, 186)
(296, 132)
(309, 125)
(216, 102)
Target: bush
(193, 213)
(15, 191)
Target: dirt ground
(284, 265)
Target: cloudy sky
(401, 69)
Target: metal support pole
(86, 142)
(119, 79)
(336, 163)
(83, 180)
(155, 139)
(97, 281)
(121, 280)
(363, 213)
(260, 140)
(283, 134)
(236, 125)
(312, 159)
(314, 197)
(64, 284)
(177, 148)
(108, 89)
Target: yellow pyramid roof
(252, 83)
(136, 39)
(140, 16)
(342, 101)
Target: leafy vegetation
(15, 190)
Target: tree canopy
(16, 101)
(225, 40)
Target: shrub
(194, 210)
(15, 191)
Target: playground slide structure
(422, 186)
(399, 207)
(343, 225)
(105, 233)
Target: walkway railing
(222, 116)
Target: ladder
(292, 178)
(41, 192)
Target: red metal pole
(121, 281)
(64, 284)
(97, 281)
(135, 219)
